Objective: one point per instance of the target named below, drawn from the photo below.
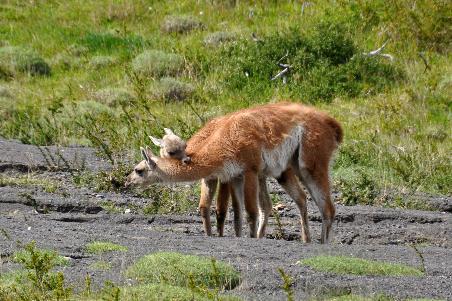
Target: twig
(378, 52)
(255, 37)
(424, 59)
(286, 55)
(282, 73)
(285, 67)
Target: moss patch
(178, 269)
(359, 266)
(99, 247)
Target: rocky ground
(68, 218)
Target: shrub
(157, 63)
(171, 89)
(100, 61)
(16, 59)
(93, 108)
(66, 61)
(324, 64)
(178, 269)
(114, 97)
(77, 50)
(357, 188)
(219, 37)
(39, 280)
(181, 24)
(5, 92)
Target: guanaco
(288, 141)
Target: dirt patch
(70, 217)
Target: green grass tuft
(100, 265)
(100, 247)
(167, 292)
(111, 43)
(181, 270)
(359, 266)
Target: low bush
(157, 63)
(181, 24)
(5, 92)
(66, 61)
(17, 59)
(114, 97)
(101, 61)
(171, 89)
(217, 38)
(36, 280)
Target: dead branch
(282, 73)
(424, 59)
(378, 52)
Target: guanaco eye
(172, 153)
(139, 171)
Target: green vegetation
(100, 247)
(359, 266)
(29, 180)
(166, 200)
(16, 59)
(36, 280)
(170, 88)
(221, 57)
(379, 297)
(100, 265)
(184, 270)
(167, 292)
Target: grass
(167, 292)
(100, 265)
(359, 266)
(29, 180)
(396, 114)
(183, 270)
(100, 247)
(380, 297)
(37, 280)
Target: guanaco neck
(173, 170)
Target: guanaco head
(172, 146)
(144, 172)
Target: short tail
(335, 125)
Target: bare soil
(69, 218)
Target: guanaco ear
(168, 131)
(145, 154)
(156, 141)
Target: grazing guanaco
(288, 141)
